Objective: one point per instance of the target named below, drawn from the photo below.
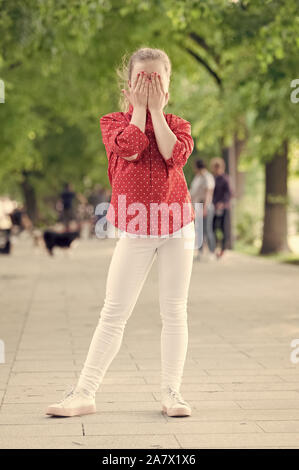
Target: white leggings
(131, 262)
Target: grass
(253, 250)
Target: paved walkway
(239, 379)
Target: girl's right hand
(138, 94)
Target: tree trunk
(231, 156)
(275, 218)
(29, 197)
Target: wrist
(139, 109)
(156, 112)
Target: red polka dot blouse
(149, 194)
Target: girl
(146, 151)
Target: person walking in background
(221, 200)
(67, 196)
(97, 195)
(20, 220)
(201, 191)
(6, 208)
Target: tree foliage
(233, 62)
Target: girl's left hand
(157, 98)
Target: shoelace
(176, 395)
(71, 392)
(68, 393)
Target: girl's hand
(157, 98)
(139, 92)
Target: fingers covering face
(152, 85)
(141, 84)
(137, 79)
(159, 79)
(156, 85)
(145, 86)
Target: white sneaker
(173, 403)
(75, 402)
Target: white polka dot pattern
(139, 186)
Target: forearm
(165, 138)
(139, 119)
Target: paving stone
(252, 386)
(177, 425)
(42, 366)
(239, 395)
(269, 404)
(238, 377)
(92, 442)
(99, 418)
(51, 397)
(26, 430)
(261, 371)
(238, 441)
(279, 426)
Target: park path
(239, 379)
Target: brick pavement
(243, 388)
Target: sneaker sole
(84, 410)
(176, 411)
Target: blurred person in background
(20, 220)
(221, 200)
(97, 195)
(67, 196)
(201, 191)
(7, 206)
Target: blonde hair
(217, 161)
(124, 71)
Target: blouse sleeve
(184, 145)
(122, 138)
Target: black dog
(63, 240)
